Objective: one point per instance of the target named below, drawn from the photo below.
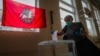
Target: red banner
(20, 15)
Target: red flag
(20, 15)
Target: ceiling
(96, 3)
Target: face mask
(68, 23)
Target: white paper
(54, 35)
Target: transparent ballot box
(57, 48)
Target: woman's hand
(60, 33)
(85, 33)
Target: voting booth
(57, 48)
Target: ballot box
(57, 48)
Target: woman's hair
(68, 16)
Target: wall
(52, 5)
(20, 42)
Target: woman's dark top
(70, 32)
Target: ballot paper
(54, 35)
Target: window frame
(67, 11)
(5, 28)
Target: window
(89, 25)
(66, 8)
(97, 15)
(68, 1)
(28, 2)
(89, 21)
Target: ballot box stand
(57, 48)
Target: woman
(72, 29)
(76, 31)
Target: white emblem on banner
(26, 16)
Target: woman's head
(68, 18)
